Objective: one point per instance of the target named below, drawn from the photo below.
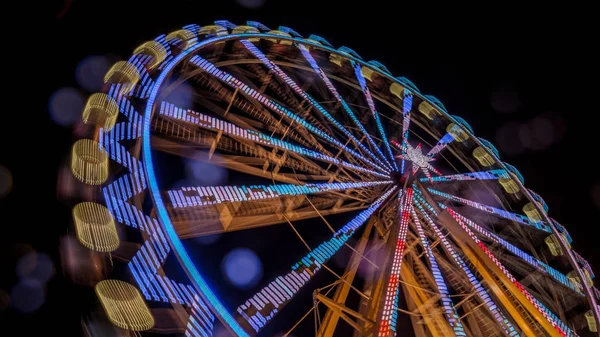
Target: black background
(463, 56)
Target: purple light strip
(406, 107)
(365, 88)
(483, 175)
(313, 63)
(522, 219)
(485, 297)
(449, 309)
(213, 195)
(235, 83)
(199, 119)
(545, 268)
(559, 325)
(280, 73)
(442, 143)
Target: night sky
(524, 79)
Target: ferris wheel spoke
(485, 298)
(442, 288)
(282, 95)
(307, 126)
(406, 108)
(524, 319)
(522, 262)
(308, 103)
(259, 309)
(228, 217)
(211, 123)
(511, 288)
(275, 68)
(441, 144)
(387, 314)
(521, 219)
(532, 261)
(299, 134)
(369, 98)
(276, 107)
(252, 153)
(308, 57)
(482, 175)
(206, 210)
(407, 103)
(214, 195)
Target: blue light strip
(483, 175)
(442, 288)
(555, 274)
(146, 262)
(280, 73)
(162, 213)
(194, 28)
(556, 322)
(442, 143)
(485, 297)
(545, 268)
(263, 306)
(212, 195)
(522, 219)
(308, 57)
(199, 119)
(406, 107)
(365, 88)
(235, 83)
(145, 83)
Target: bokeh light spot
(559, 127)
(34, 265)
(5, 181)
(251, 3)
(508, 140)
(182, 96)
(65, 106)
(205, 173)
(28, 295)
(505, 100)
(525, 136)
(543, 131)
(90, 72)
(242, 268)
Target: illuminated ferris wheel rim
(163, 215)
(193, 44)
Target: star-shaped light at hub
(417, 158)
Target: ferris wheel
(368, 206)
